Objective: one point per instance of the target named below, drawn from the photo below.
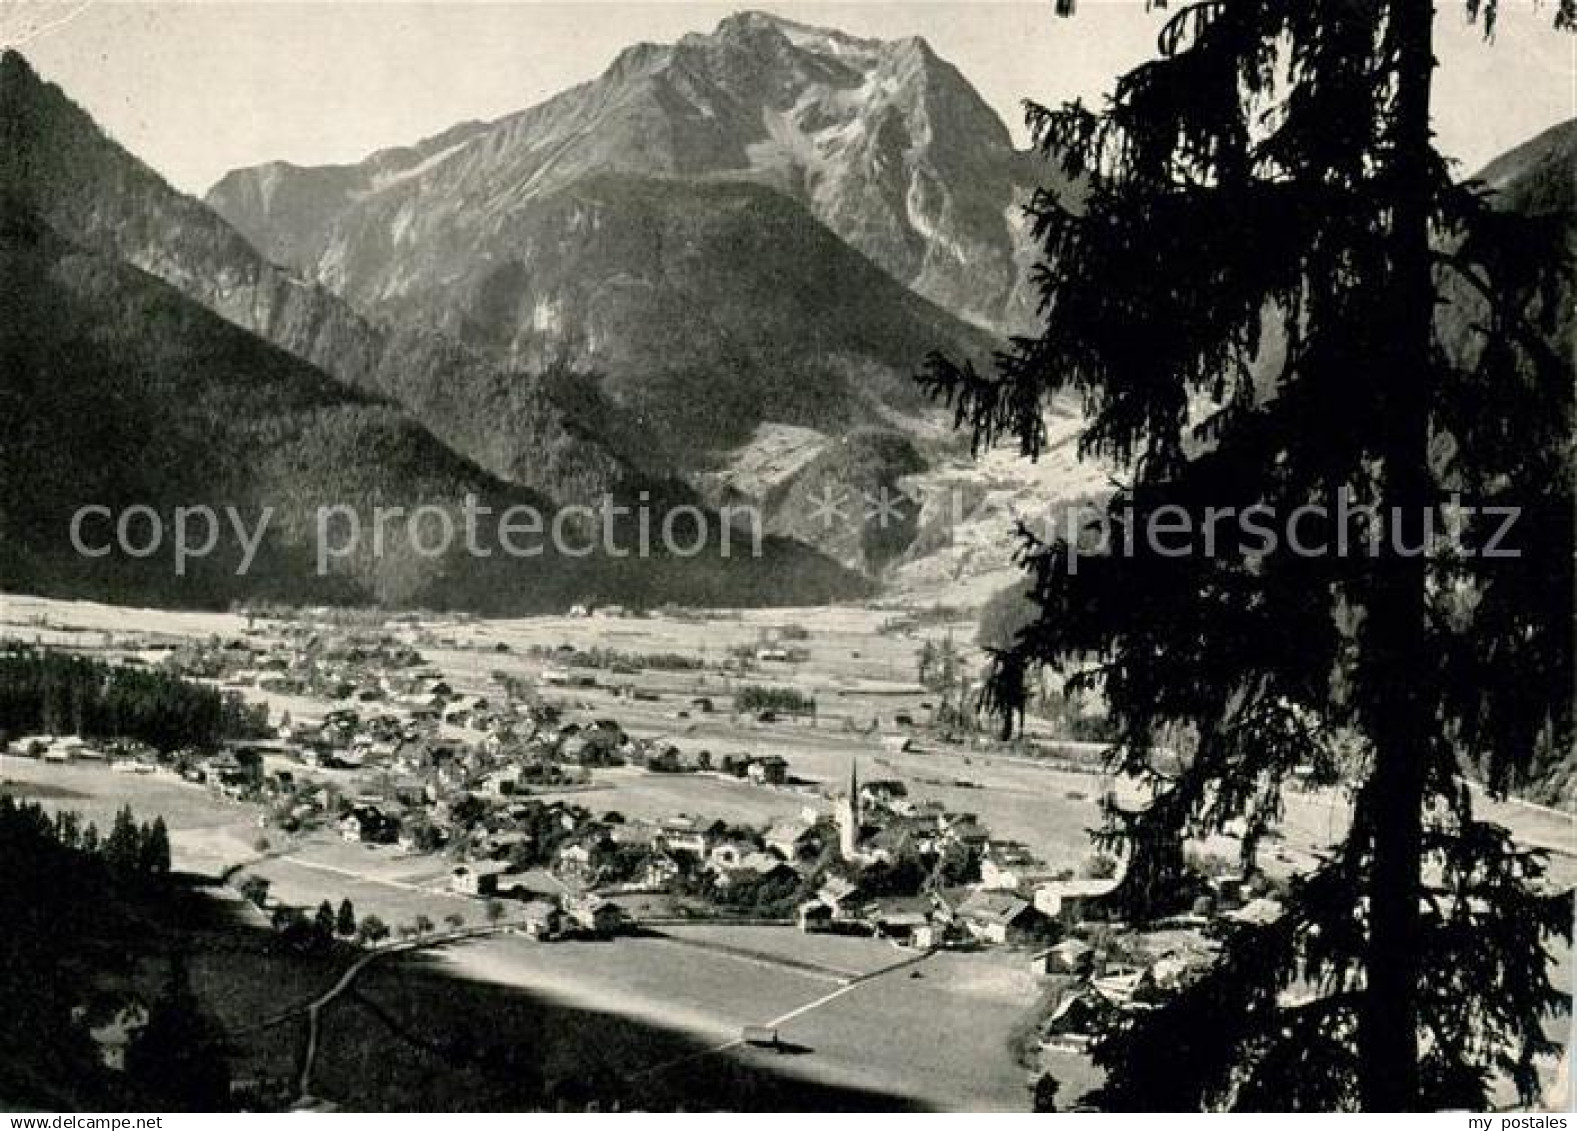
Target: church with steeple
(848, 816)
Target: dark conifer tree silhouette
(154, 851)
(325, 922)
(123, 847)
(179, 1056)
(345, 920)
(1270, 292)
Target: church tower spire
(849, 815)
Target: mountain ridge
(720, 235)
(61, 165)
(884, 142)
(708, 332)
(160, 343)
(126, 393)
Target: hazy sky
(201, 87)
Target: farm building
(1070, 902)
(813, 915)
(541, 919)
(840, 894)
(1071, 957)
(771, 770)
(754, 866)
(661, 871)
(1012, 867)
(999, 917)
(1080, 1014)
(793, 839)
(478, 878)
(689, 834)
(369, 824)
(596, 916)
(1127, 986)
(882, 792)
(901, 918)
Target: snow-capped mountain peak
(883, 141)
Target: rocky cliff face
(661, 320)
(736, 230)
(753, 233)
(698, 311)
(883, 142)
(285, 210)
(60, 165)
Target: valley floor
(860, 1016)
(865, 1024)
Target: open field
(705, 993)
(846, 649)
(207, 832)
(939, 1039)
(933, 1030)
(940, 1035)
(408, 1039)
(860, 676)
(846, 955)
(47, 620)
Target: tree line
(60, 693)
(783, 700)
(129, 848)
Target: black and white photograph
(880, 556)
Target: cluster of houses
(1098, 975)
(305, 659)
(419, 767)
(879, 863)
(123, 755)
(404, 761)
(919, 873)
(544, 916)
(1094, 986)
(58, 748)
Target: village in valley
(567, 803)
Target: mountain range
(732, 252)
(882, 142)
(152, 356)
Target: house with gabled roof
(793, 839)
(768, 770)
(684, 833)
(1072, 901)
(1000, 917)
(752, 866)
(597, 916)
(477, 878)
(541, 919)
(1079, 1014)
